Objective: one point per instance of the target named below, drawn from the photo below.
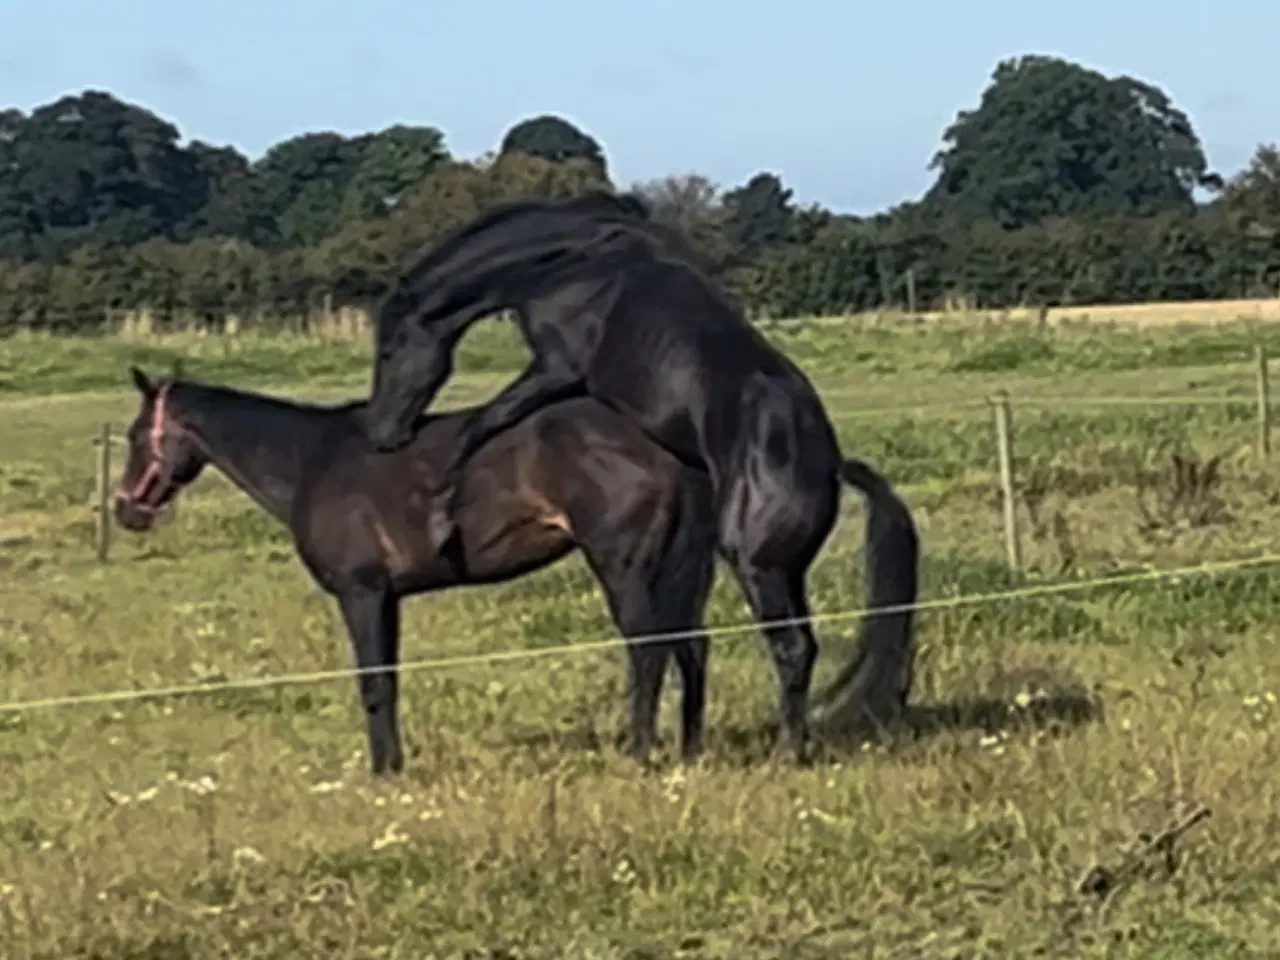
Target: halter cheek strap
(155, 439)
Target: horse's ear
(140, 381)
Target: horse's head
(161, 459)
(413, 357)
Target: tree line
(1061, 186)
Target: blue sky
(845, 100)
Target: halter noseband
(155, 438)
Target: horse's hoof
(642, 758)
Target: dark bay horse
(576, 475)
(613, 306)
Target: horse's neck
(521, 267)
(259, 445)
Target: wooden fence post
(1264, 403)
(1003, 411)
(103, 508)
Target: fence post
(1003, 411)
(1264, 403)
(103, 508)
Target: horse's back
(719, 391)
(582, 441)
(685, 363)
(597, 460)
(622, 495)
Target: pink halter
(155, 437)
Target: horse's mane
(603, 201)
(589, 207)
(636, 216)
(592, 224)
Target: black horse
(575, 475)
(613, 306)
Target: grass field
(243, 824)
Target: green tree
(691, 204)
(234, 205)
(391, 161)
(92, 169)
(759, 214)
(367, 255)
(103, 209)
(19, 220)
(302, 181)
(1254, 193)
(1051, 138)
(556, 140)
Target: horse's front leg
(371, 612)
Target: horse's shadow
(748, 744)
(1054, 713)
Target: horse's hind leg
(641, 612)
(648, 665)
(772, 525)
(691, 660)
(372, 615)
(658, 584)
(779, 595)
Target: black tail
(872, 689)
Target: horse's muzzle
(134, 516)
(387, 434)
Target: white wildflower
(624, 873)
(390, 837)
(247, 855)
(201, 787)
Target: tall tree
(391, 162)
(93, 169)
(759, 213)
(302, 182)
(19, 221)
(367, 255)
(1253, 194)
(1051, 138)
(556, 140)
(233, 205)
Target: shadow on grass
(1054, 713)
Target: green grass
(514, 834)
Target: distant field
(1081, 721)
(1200, 312)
